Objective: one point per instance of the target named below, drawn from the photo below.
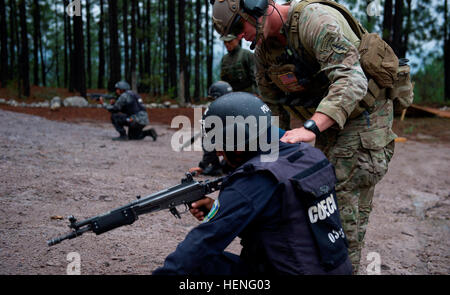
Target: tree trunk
(189, 45)
(197, 50)
(406, 31)
(3, 45)
(101, 49)
(165, 63)
(158, 55)
(14, 40)
(58, 80)
(79, 69)
(148, 55)
(24, 61)
(182, 43)
(41, 54)
(209, 47)
(114, 58)
(133, 44)
(398, 28)
(140, 40)
(72, 61)
(171, 48)
(88, 47)
(66, 48)
(125, 37)
(36, 32)
(387, 22)
(446, 54)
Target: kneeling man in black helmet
(129, 111)
(279, 200)
(210, 163)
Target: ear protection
(249, 10)
(255, 8)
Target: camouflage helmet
(224, 14)
(122, 85)
(218, 89)
(227, 13)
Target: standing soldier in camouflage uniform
(308, 61)
(238, 66)
(129, 111)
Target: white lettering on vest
(322, 210)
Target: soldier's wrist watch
(311, 126)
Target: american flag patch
(288, 78)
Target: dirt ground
(64, 163)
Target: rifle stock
(185, 193)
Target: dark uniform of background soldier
(238, 66)
(308, 62)
(285, 211)
(210, 163)
(129, 111)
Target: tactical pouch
(402, 93)
(315, 186)
(284, 77)
(378, 60)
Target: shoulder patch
(213, 211)
(340, 47)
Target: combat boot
(120, 138)
(152, 133)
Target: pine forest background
(168, 49)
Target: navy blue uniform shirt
(248, 200)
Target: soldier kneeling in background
(129, 111)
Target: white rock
(75, 101)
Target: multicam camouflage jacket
(238, 69)
(329, 45)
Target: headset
(255, 8)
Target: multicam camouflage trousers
(360, 154)
(357, 173)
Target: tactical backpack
(378, 60)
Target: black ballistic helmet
(122, 85)
(240, 117)
(218, 89)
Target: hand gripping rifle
(185, 193)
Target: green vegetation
(429, 82)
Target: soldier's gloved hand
(201, 208)
(196, 169)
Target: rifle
(190, 141)
(185, 193)
(96, 96)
